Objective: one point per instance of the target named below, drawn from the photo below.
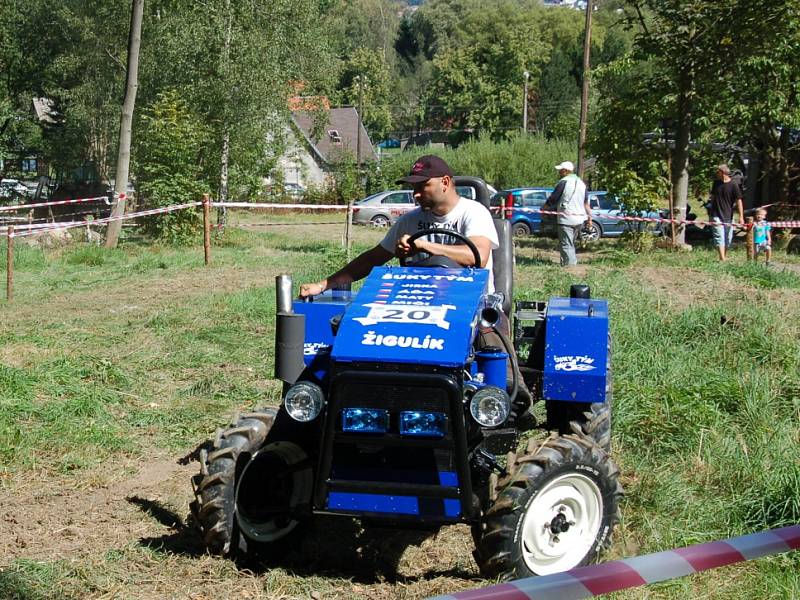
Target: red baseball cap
(426, 167)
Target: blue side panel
(412, 315)
(452, 507)
(397, 505)
(319, 337)
(377, 503)
(576, 350)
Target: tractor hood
(412, 315)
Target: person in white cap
(571, 201)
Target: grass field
(115, 365)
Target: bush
(168, 163)
(524, 160)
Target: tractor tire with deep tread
(214, 486)
(564, 483)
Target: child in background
(762, 235)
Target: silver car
(384, 208)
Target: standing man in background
(725, 193)
(572, 203)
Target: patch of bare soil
(683, 288)
(50, 518)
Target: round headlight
(490, 406)
(303, 401)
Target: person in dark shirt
(725, 195)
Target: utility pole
(587, 49)
(526, 75)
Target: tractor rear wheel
(247, 492)
(554, 510)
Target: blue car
(525, 218)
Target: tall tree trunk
(222, 212)
(680, 156)
(126, 122)
(223, 176)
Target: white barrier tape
(594, 580)
(59, 202)
(277, 205)
(144, 213)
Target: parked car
(605, 207)
(12, 189)
(523, 222)
(467, 191)
(295, 190)
(384, 208)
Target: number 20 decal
(389, 313)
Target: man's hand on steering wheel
(412, 244)
(405, 249)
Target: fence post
(751, 248)
(348, 229)
(207, 228)
(10, 264)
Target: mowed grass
(143, 351)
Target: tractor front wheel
(554, 510)
(248, 494)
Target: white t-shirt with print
(468, 217)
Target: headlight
(365, 420)
(422, 423)
(490, 406)
(303, 401)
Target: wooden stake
(751, 248)
(207, 228)
(10, 264)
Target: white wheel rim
(573, 499)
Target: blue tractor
(392, 412)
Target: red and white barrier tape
(58, 202)
(656, 219)
(594, 580)
(277, 205)
(71, 224)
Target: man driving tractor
(440, 207)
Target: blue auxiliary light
(365, 420)
(423, 424)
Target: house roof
(339, 134)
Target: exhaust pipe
(290, 333)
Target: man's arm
(459, 253)
(587, 207)
(740, 206)
(552, 199)
(356, 269)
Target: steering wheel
(442, 261)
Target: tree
(169, 161)
(365, 80)
(126, 122)
(681, 55)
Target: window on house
(333, 134)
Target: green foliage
(168, 161)
(519, 161)
(365, 81)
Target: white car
(384, 208)
(11, 189)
